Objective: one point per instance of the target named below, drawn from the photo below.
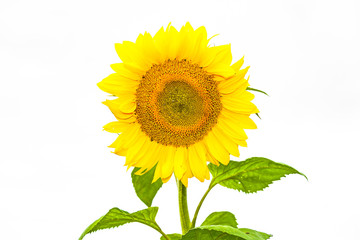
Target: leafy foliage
(221, 218)
(144, 188)
(117, 217)
(251, 175)
(221, 232)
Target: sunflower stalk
(193, 222)
(183, 207)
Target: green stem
(162, 233)
(183, 207)
(199, 206)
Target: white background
(57, 175)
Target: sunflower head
(180, 103)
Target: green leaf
(174, 236)
(144, 188)
(251, 175)
(116, 217)
(221, 218)
(259, 235)
(256, 90)
(224, 233)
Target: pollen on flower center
(177, 103)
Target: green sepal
(221, 218)
(174, 236)
(117, 217)
(220, 232)
(256, 90)
(144, 188)
(251, 175)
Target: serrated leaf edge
(255, 169)
(112, 219)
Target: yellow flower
(180, 103)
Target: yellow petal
(160, 41)
(210, 55)
(121, 69)
(147, 158)
(236, 66)
(188, 174)
(216, 149)
(238, 105)
(174, 43)
(121, 116)
(184, 181)
(229, 145)
(123, 105)
(127, 137)
(129, 52)
(223, 55)
(135, 151)
(139, 70)
(200, 46)
(222, 70)
(165, 180)
(211, 159)
(116, 127)
(242, 143)
(168, 162)
(179, 162)
(197, 161)
(149, 50)
(235, 132)
(235, 83)
(236, 120)
(187, 42)
(118, 85)
(121, 152)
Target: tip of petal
(184, 181)
(165, 180)
(236, 66)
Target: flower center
(177, 103)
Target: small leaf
(174, 236)
(144, 188)
(116, 217)
(224, 233)
(251, 175)
(256, 90)
(221, 218)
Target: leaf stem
(162, 233)
(183, 207)
(193, 222)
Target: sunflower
(180, 103)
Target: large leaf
(255, 234)
(224, 233)
(144, 188)
(221, 218)
(174, 236)
(116, 217)
(251, 175)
